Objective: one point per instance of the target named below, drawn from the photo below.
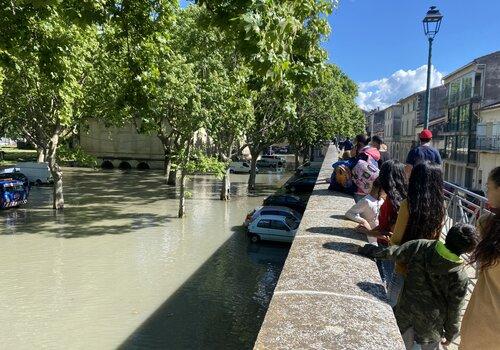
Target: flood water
(117, 269)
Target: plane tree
(46, 57)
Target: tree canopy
(239, 71)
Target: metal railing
(488, 143)
(463, 206)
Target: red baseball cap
(426, 134)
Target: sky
(381, 45)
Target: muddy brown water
(118, 270)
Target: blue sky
(380, 44)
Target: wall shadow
(222, 305)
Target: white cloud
(386, 91)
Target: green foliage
(201, 163)
(279, 39)
(325, 110)
(76, 155)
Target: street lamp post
(431, 22)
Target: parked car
(272, 228)
(309, 168)
(14, 174)
(272, 161)
(272, 210)
(240, 167)
(281, 150)
(12, 193)
(301, 184)
(286, 200)
(37, 173)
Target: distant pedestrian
(481, 322)
(423, 152)
(428, 310)
(378, 143)
(348, 145)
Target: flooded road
(117, 269)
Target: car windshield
(291, 223)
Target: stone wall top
(328, 296)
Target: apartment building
(392, 129)
(472, 121)
(412, 108)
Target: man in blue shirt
(423, 152)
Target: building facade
(471, 92)
(392, 129)
(124, 147)
(487, 143)
(411, 113)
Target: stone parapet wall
(328, 297)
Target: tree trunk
(55, 170)
(296, 153)
(172, 177)
(182, 199)
(226, 185)
(253, 172)
(40, 155)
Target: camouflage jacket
(433, 291)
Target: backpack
(363, 176)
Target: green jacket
(433, 291)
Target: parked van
(37, 173)
(240, 167)
(12, 193)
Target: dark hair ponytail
(425, 202)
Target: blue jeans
(386, 269)
(394, 288)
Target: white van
(240, 167)
(37, 173)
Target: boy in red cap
(423, 152)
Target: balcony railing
(484, 143)
(456, 126)
(462, 206)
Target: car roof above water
(276, 207)
(10, 183)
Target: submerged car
(272, 210)
(301, 184)
(272, 228)
(12, 193)
(271, 161)
(309, 168)
(14, 174)
(286, 200)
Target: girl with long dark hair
(392, 182)
(421, 215)
(480, 325)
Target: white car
(272, 228)
(37, 173)
(272, 210)
(240, 167)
